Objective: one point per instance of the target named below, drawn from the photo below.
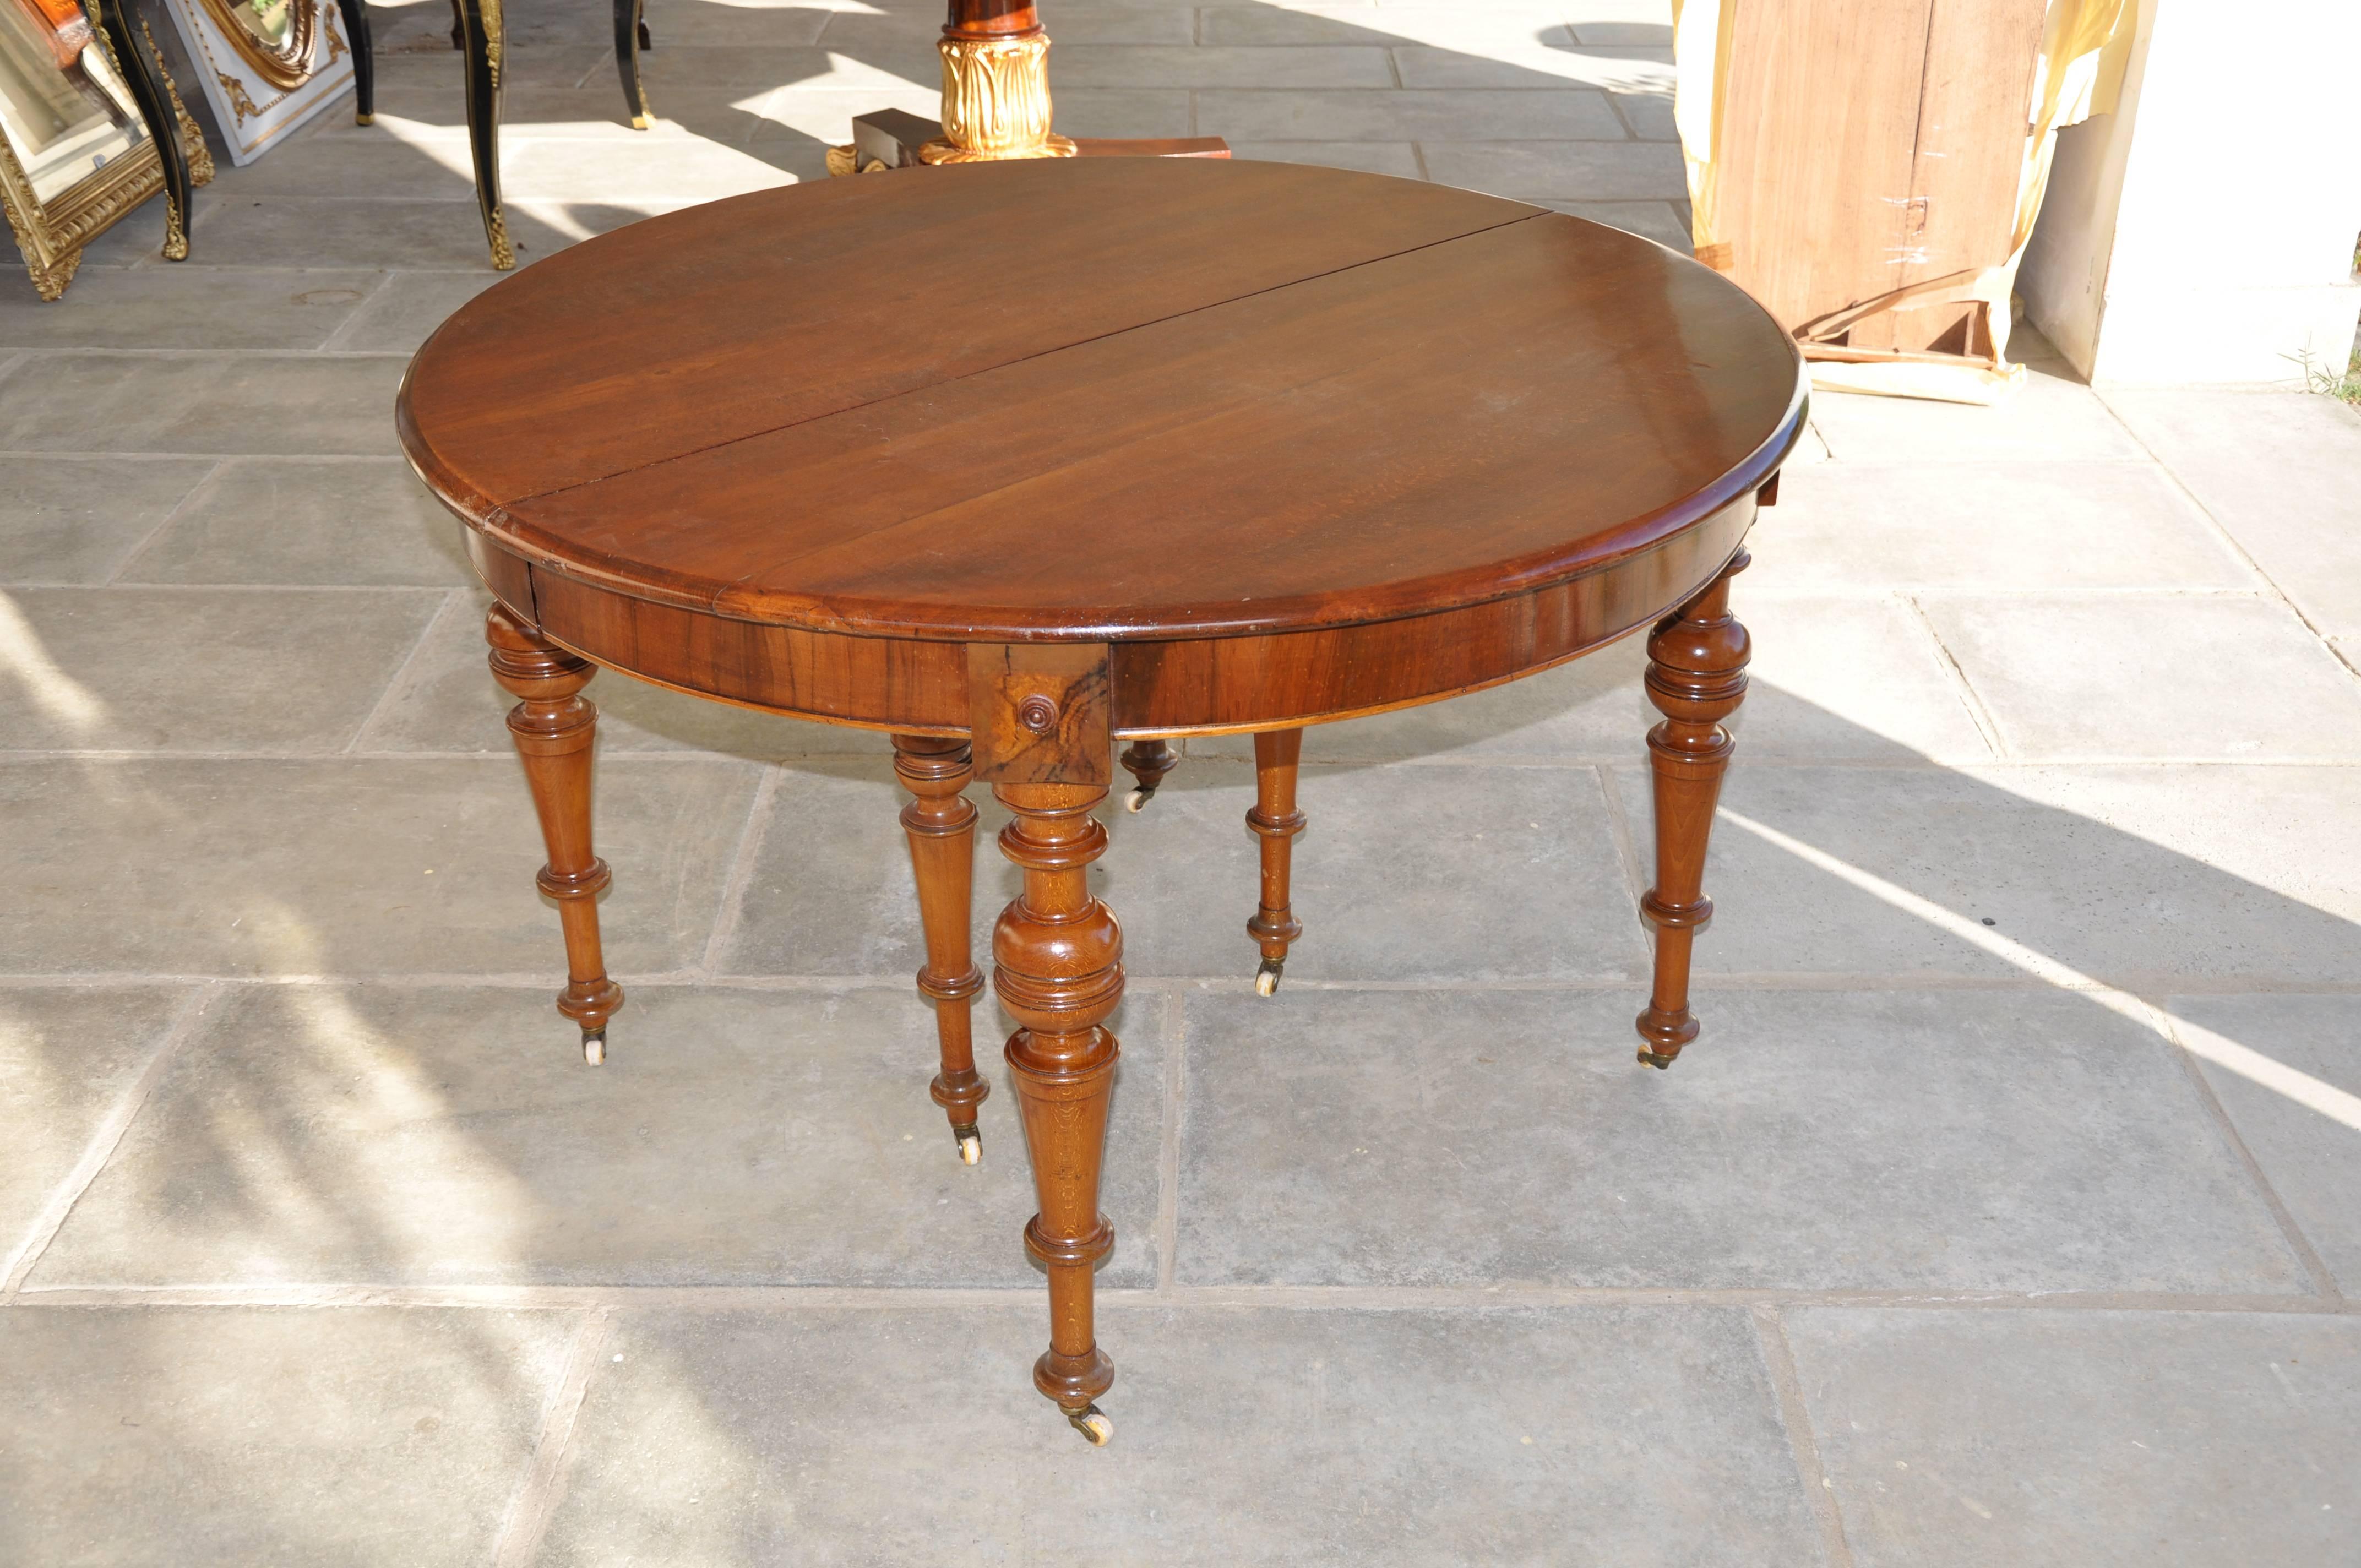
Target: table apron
(1178, 687)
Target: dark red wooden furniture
(1186, 447)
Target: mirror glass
(65, 111)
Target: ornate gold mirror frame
(52, 229)
(247, 25)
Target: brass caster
(971, 1144)
(1654, 1060)
(594, 1047)
(1267, 977)
(1093, 1423)
(1139, 797)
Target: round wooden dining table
(1021, 461)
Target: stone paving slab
(419, 1135)
(1244, 1437)
(2051, 526)
(403, 312)
(1986, 1141)
(1601, 170)
(2307, 1154)
(2277, 472)
(2162, 677)
(2135, 875)
(2086, 1439)
(285, 671)
(178, 1436)
(67, 1057)
(425, 236)
(1406, 873)
(1398, 159)
(328, 866)
(1663, 222)
(265, 404)
(147, 308)
(1417, 114)
(2052, 419)
(78, 519)
(350, 523)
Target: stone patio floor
(2003, 1214)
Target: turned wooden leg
(1696, 679)
(1276, 820)
(553, 726)
(1149, 760)
(940, 822)
(1058, 967)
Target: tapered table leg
(1277, 822)
(356, 23)
(1696, 679)
(1147, 761)
(940, 822)
(484, 29)
(1058, 956)
(553, 726)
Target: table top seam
(1025, 359)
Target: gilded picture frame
(75, 155)
(266, 66)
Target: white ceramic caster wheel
(1093, 1424)
(971, 1148)
(1136, 799)
(1267, 977)
(594, 1049)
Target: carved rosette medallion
(995, 100)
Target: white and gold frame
(74, 153)
(268, 65)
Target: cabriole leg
(940, 822)
(1277, 822)
(630, 38)
(356, 24)
(1696, 679)
(482, 29)
(553, 726)
(1058, 956)
(1147, 760)
(156, 114)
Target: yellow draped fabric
(2085, 45)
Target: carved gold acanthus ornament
(995, 101)
(192, 140)
(240, 105)
(495, 36)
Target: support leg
(940, 822)
(1696, 679)
(553, 726)
(485, 35)
(631, 37)
(1058, 957)
(1147, 760)
(356, 24)
(148, 90)
(1275, 819)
